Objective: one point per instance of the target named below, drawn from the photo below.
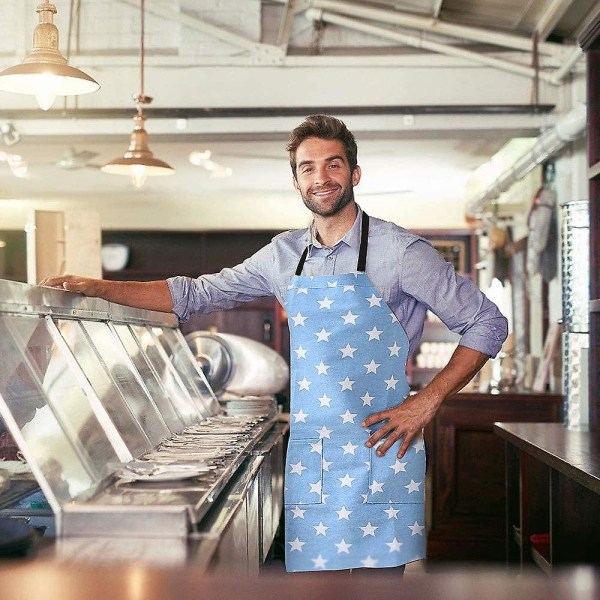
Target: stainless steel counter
(125, 437)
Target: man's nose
(321, 175)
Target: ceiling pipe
(570, 127)
(432, 25)
(314, 14)
(563, 71)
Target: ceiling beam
(419, 42)
(408, 121)
(290, 9)
(264, 52)
(435, 26)
(279, 111)
(428, 126)
(551, 17)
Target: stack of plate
(264, 406)
(152, 471)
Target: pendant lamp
(138, 161)
(44, 73)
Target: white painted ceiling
(234, 76)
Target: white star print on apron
(345, 507)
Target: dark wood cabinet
(553, 494)
(161, 254)
(466, 478)
(13, 255)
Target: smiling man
(321, 176)
(356, 290)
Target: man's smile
(324, 192)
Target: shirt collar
(351, 239)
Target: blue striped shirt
(407, 271)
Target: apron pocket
(304, 471)
(398, 480)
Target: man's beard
(340, 203)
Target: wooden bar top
(50, 580)
(574, 453)
(473, 396)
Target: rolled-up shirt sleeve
(456, 300)
(226, 289)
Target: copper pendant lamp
(45, 73)
(138, 161)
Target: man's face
(323, 176)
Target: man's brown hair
(326, 128)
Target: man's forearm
(151, 295)
(463, 365)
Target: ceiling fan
(17, 165)
(203, 158)
(73, 159)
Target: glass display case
(116, 421)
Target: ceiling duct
(570, 127)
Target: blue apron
(345, 507)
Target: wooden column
(590, 43)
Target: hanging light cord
(141, 98)
(142, 52)
(74, 15)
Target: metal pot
(238, 365)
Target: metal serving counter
(125, 437)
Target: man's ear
(356, 173)
(295, 182)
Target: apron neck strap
(301, 262)
(361, 265)
(362, 252)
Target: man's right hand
(73, 283)
(151, 295)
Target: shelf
(541, 557)
(594, 306)
(553, 483)
(573, 453)
(594, 171)
(540, 553)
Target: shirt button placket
(330, 264)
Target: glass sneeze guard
(60, 435)
(86, 385)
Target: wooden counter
(466, 491)
(553, 494)
(133, 581)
